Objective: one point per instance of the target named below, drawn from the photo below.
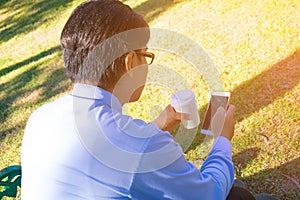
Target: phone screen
(215, 102)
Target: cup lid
(182, 97)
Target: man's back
(56, 165)
(82, 147)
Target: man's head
(89, 41)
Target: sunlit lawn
(255, 46)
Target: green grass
(254, 44)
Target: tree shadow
(11, 130)
(262, 89)
(266, 87)
(3, 2)
(24, 84)
(281, 181)
(33, 15)
(13, 90)
(243, 158)
(153, 8)
(55, 84)
(16, 66)
(29, 18)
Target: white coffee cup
(184, 102)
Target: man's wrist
(226, 136)
(223, 136)
(223, 143)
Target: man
(81, 146)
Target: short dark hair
(90, 24)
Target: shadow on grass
(275, 181)
(3, 3)
(283, 180)
(13, 90)
(24, 84)
(243, 158)
(261, 90)
(16, 129)
(55, 84)
(266, 87)
(6, 70)
(28, 16)
(153, 8)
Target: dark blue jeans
(238, 193)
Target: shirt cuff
(221, 143)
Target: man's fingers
(228, 130)
(230, 110)
(176, 115)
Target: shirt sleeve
(181, 179)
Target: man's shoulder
(51, 107)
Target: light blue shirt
(81, 146)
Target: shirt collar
(97, 93)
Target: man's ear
(129, 61)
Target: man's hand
(168, 119)
(228, 128)
(223, 123)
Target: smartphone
(218, 99)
